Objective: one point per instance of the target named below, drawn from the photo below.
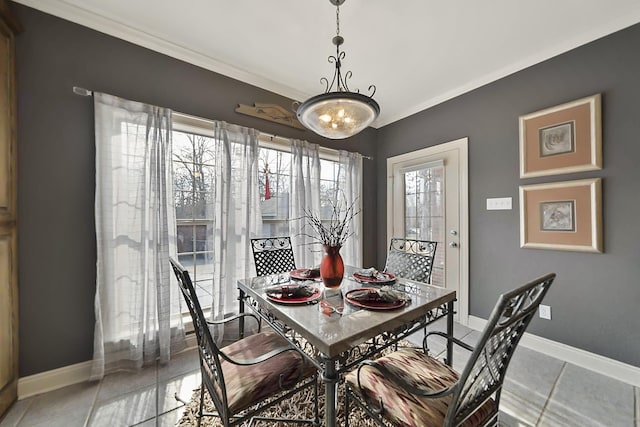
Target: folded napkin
(382, 276)
(291, 291)
(385, 294)
(367, 272)
(310, 272)
(373, 273)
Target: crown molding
(108, 26)
(92, 20)
(595, 33)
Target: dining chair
(249, 376)
(411, 388)
(273, 255)
(411, 259)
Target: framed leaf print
(562, 139)
(562, 215)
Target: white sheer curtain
(305, 194)
(137, 300)
(237, 213)
(350, 181)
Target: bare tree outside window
(193, 179)
(274, 166)
(424, 212)
(194, 163)
(193, 174)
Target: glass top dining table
(329, 328)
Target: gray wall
(596, 296)
(56, 155)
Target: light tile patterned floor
(539, 391)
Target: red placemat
(299, 274)
(373, 280)
(373, 305)
(297, 300)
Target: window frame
(186, 123)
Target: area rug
(298, 406)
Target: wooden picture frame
(562, 139)
(562, 215)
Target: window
(193, 166)
(424, 212)
(194, 163)
(274, 180)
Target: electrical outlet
(544, 311)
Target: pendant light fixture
(339, 113)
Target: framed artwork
(562, 139)
(562, 215)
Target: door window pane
(424, 213)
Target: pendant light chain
(337, 40)
(339, 113)
(338, 19)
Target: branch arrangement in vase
(335, 230)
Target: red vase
(331, 267)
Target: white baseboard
(73, 374)
(54, 379)
(603, 365)
(67, 375)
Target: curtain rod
(275, 137)
(85, 92)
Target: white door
(427, 199)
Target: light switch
(499, 204)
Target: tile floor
(539, 391)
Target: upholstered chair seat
(405, 409)
(410, 388)
(247, 384)
(249, 376)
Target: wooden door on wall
(8, 216)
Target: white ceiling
(417, 52)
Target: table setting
(373, 276)
(294, 293)
(306, 274)
(384, 298)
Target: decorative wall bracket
(272, 112)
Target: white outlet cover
(544, 311)
(499, 204)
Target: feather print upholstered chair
(241, 376)
(410, 388)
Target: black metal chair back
(411, 259)
(485, 371)
(273, 255)
(271, 354)
(212, 374)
